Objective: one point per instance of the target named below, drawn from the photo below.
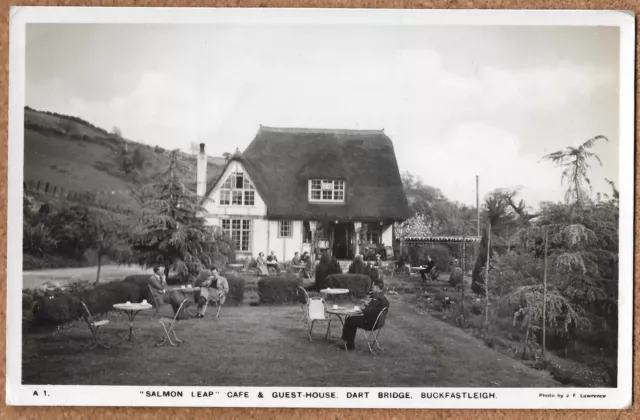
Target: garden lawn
(269, 346)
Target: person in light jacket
(212, 289)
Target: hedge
(359, 285)
(65, 307)
(279, 289)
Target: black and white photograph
(320, 208)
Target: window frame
(320, 192)
(243, 232)
(236, 193)
(288, 226)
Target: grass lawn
(269, 346)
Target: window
(373, 233)
(326, 190)
(285, 229)
(240, 232)
(237, 190)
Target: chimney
(201, 172)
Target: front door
(341, 241)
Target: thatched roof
(280, 162)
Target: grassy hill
(78, 157)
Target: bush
(280, 289)
(64, 307)
(359, 285)
(236, 288)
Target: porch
(345, 238)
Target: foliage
(109, 238)
(279, 289)
(574, 161)
(171, 230)
(477, 275)
(37, 240)
(358, 284)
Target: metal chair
(169, 327)
(304, 305)
(94, 327)
(371, 336)
(317, 313)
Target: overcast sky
(456, 101)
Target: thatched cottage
(294, 187)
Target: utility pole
(478, 205)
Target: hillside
(79, 158)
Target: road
(35, 278)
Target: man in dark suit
(369, 315)
(428, 267)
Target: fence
(51, 190)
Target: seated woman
(261, 265)
(212, 289)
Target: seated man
(296, 259)
(369, 315)
(272, 262)
(214, 288)
(428, 267)
(157, 284)
(378, 261)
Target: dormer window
(237, 190)
(326, 191)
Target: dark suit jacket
(374, 307)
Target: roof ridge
(320, 130)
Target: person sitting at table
(296, 259)
(308, 265)
(272, 261)
(213, 289)
(325, 268)
(261, 265)
(428, 267)
(358, 266)
(158, 288)
(378, 261)
(369, 315)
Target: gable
(234, 192)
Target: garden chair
(317, 313)
(94, 327)
(169, 328)
(371, 336)
(304, 305)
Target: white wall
(284, 248)
(387, 235)
(215, 209)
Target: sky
(457, 101)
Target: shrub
(236, 288)
(358, 284)
(64, 307)
(280, 289)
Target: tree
(108, 238)
(574, 161)
(171, 230)
(226, 156)
(116, 132)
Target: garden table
(131, 309)
(236, 267)
(340, 312)
(334, 293)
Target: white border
(508, 398)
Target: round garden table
(236, 267)
(342, 312)
(334, 293)
(131, 309)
